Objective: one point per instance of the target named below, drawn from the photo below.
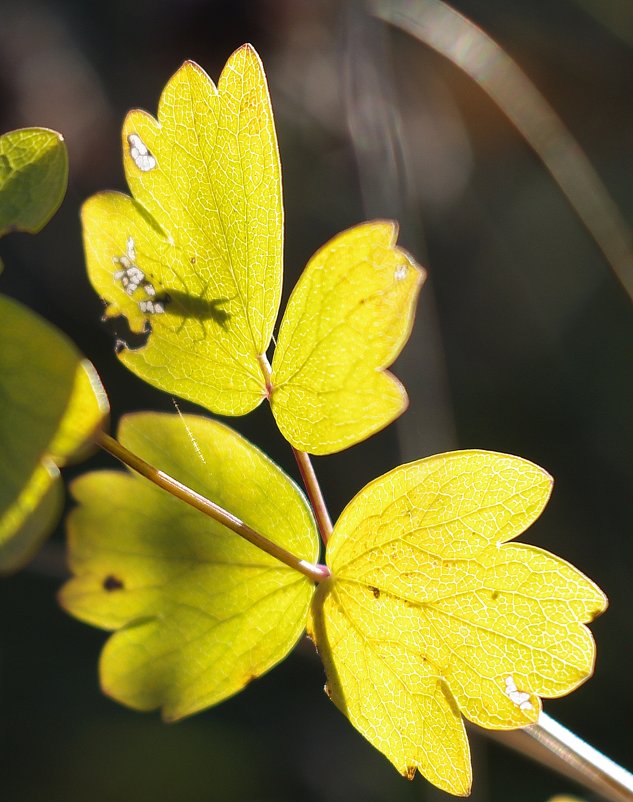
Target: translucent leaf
(196, 256)
(428, 616)
(199, 611)
(51, 404)
(33, 177)
(347, 319)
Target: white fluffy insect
(151, 307)
(520, 698)
(130, 275)
(140, 154)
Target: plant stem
(313, 490)
(552, 745)
(317, 573)
(310, 481)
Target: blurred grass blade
(457, 38)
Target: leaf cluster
(424, 613)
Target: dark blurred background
(523, 343)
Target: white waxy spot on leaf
(401, 272)
(130, 249)
(151, 307)
(140, 154)
(520, 698)
(130, 275)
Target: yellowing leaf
(347, 319)
(427, 614)
(51, 404)
(33, 177)
(197, 254)
(199, 611)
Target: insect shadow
(194, 307)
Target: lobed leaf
(33, 178)
(199, 611)
(51, 405)
(347, 319)
(427, 614)
(195, 257)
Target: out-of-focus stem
(552, 745)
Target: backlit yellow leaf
(51, 406)
(199, 611)
(33, 178)
(428, 616)
(197, 253)
(347, 319)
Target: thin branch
(310, 481)
(554, 746)
(313, 490)
(317, 573)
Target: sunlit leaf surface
(347, 319)
(33, 177)
(199, 611)
(197, 254)
(428, 617)
(51, 404)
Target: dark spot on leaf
(193, 260)
(494, 595)
(376, 592)
(410, 772)
(111, 583)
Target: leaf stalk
(308, 476)
(315, 572)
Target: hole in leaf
(124, 337)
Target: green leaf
(428, 617)
(199, 611)
(197, 254)
(347, 319)
(51, 405)
(33, 178)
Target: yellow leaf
(427, 615)
(52, 404)
(196, 256)
(199, 611)
(347, 319)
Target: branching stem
(317, 573)
(310, 481)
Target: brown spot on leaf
(494, 595)
(410, 772)
(111, 583)
(376, 592)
